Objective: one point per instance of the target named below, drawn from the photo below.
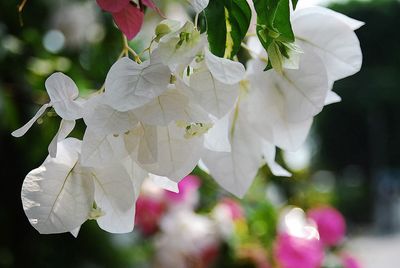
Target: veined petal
(102, 150)
(130, 85)
(224, 70)
(169, 106)
(147, 149)
(104, 120)
(235, 171)
(352, 23)
(331, 38)
(136, 173)
(217, 137)
(302, 92)
(115, 197)
(268, 114)
(57, 197)
(213, 96)
(63, 91)
(177, 156)
(22, 130)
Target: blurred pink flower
(349, 261)
(127, 15)
(188, 187)
(234, 208)
(296, 252)
(149, 211)
(331, 224)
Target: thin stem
(148, 48)
(22, 5)
(127, 49)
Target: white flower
(63, 95)
(74, 193)
(179, 48)
(130, 85)
(183, 234)
(331, 36)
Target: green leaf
(216, 26)
(274, 29)
(294, 3)
(227, 20)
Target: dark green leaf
(216, 27)
(294, 3)
(227, 25)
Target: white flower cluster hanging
(160, 117)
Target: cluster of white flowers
(161, 117)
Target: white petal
(236, 170)
(332, 97)
(136, 173)
(203, 166)
(303, 91)
(177, 54)
(269, 152)
(217, 137)
(176, 155)
(332, 39)
(130, 85)
(352, 23)
(57, 197)
(115, 196)
(168, 107)
(164, 183)
(75, 232)
(64, 130)
(198, 5)
(213, 96)
(22, 130)
(148, 145)
(268, 115)
(224, 70)
(104, 120)
(62, 91)
(102, 150)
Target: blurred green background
(352, 157)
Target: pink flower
(112, 5)
(127, 16)
(188, 187)
(349, 261)
(295, 252)
(331, 224)
(149, 211)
